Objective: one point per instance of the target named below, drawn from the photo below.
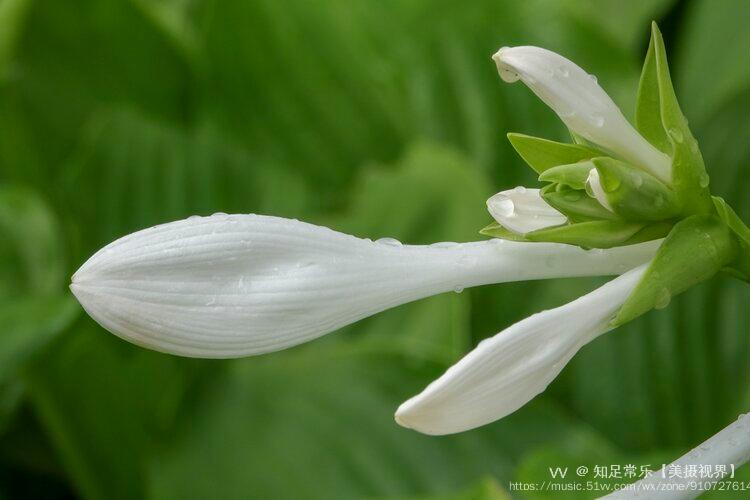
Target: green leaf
(696, 249)
(28, 325)
(495, 230)
(592, 234)
(30, 243)
(12, 18)
(573, 175)
(741, 265)
(689, 177)
(713, 39)
(648, 105)
(542, 154)
(634, 194)
(578, 206)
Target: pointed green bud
(575, 204)
(660, 119)
(630, 192)
(542, 154)
(592, 234)
(696, 249)
(573, 174)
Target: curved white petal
(594, 187)
(523, 210)
(581, 103)
(728, 450)
(236, 285)
(506, 371)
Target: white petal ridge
(236, 285)
(506, 371)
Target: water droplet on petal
(676, 134)
(597, 120)
(194, 217)
(392, 242)
(564, 72)
(520, 189)
(593, 78)
(663, 298)
(458, 288)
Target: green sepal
(696, 249)
(634, 194)
(591, 234)
(572, 174)
(575, 204)
(657, 106)
(496, 230)
(740, 268)
(542, 154)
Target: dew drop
(193, 217)
(676, 134)
(458, 288)
(564, 72)
(597, 120)
(520, 189)
(391, 242)
(704, 180)
(594, 78)
(219, 214)
(502, 206)
(663, 298)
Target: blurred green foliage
(379, 118)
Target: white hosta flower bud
(581, 104)
(523, 210)
(595, 189)
(506, 371)
(235, 285)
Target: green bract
(657, 189)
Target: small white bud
(523, 210)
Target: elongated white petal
(594, 187)
(721, 455)
(506, 371)
(581, 103)
(523, 210)
(236, 285)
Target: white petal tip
(507, 73)
(412, 415)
